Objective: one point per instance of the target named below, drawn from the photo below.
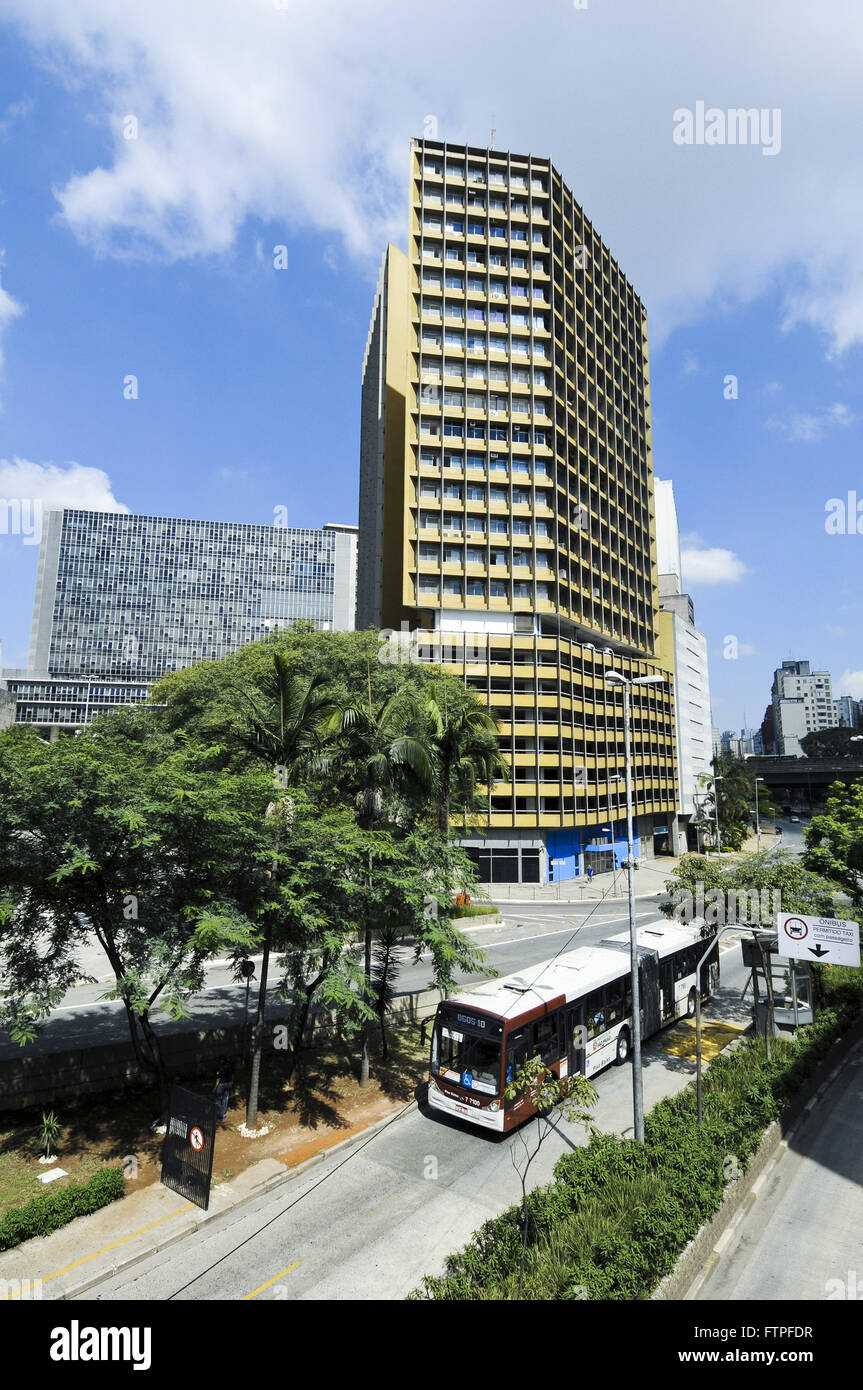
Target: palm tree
(286, 727)
(385, 755)
(465, 739)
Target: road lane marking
(281, 1272)
(113, 1246)
(540, 936)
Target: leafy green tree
(337, 878)
(774, 879)
(377, 758)
(537, 1084)
(834, 840)
(776, 871)
(383, 755)
(735, 790)
(135, 838)
(386, 761)
(831, 744)
(465, 738)
(206, 699)
(385, 973)
(286, 728)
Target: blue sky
(262, 124)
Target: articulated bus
(575, 1012)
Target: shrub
(50, 1210)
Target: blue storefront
(571, 852)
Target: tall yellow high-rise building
(506, 500)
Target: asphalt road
(370, 1222)
(530, 933)
(803, 1239)
(533, 931)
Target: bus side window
(595, 1013)
(614, 1003)
(545, 1037)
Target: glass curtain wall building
(121, 600)
(506, 499)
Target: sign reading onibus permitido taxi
(828, 939)
(187, 1154)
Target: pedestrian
(589, 872)
(224, 1082)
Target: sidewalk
(141, 1224)
(650, 878)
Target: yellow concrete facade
(507, 413)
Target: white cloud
(10, 310)
(802, 428)
(850, 683)
(710, 564)
(15, 111)
(690, 365)
(298, 114)
(69, 485)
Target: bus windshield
(463, 1057)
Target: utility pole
(757, 818)
(637, 1080)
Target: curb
(192, 1224)
(717, 1235)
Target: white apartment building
(693, 727)
(802, 702)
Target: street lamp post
(716, 809)
(757, 818)
(637, 1082)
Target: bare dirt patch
(320, 1105)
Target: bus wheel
(690, 1004)
(622, 1054)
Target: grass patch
(53, 1209)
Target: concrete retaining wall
(40, 1079)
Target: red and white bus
(575, 1012)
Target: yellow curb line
(255, 1292)
(84, 1258)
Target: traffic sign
(829, 939)
(196, 1139)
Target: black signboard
(751, 947)
(461, 1017)
(187, 1154)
